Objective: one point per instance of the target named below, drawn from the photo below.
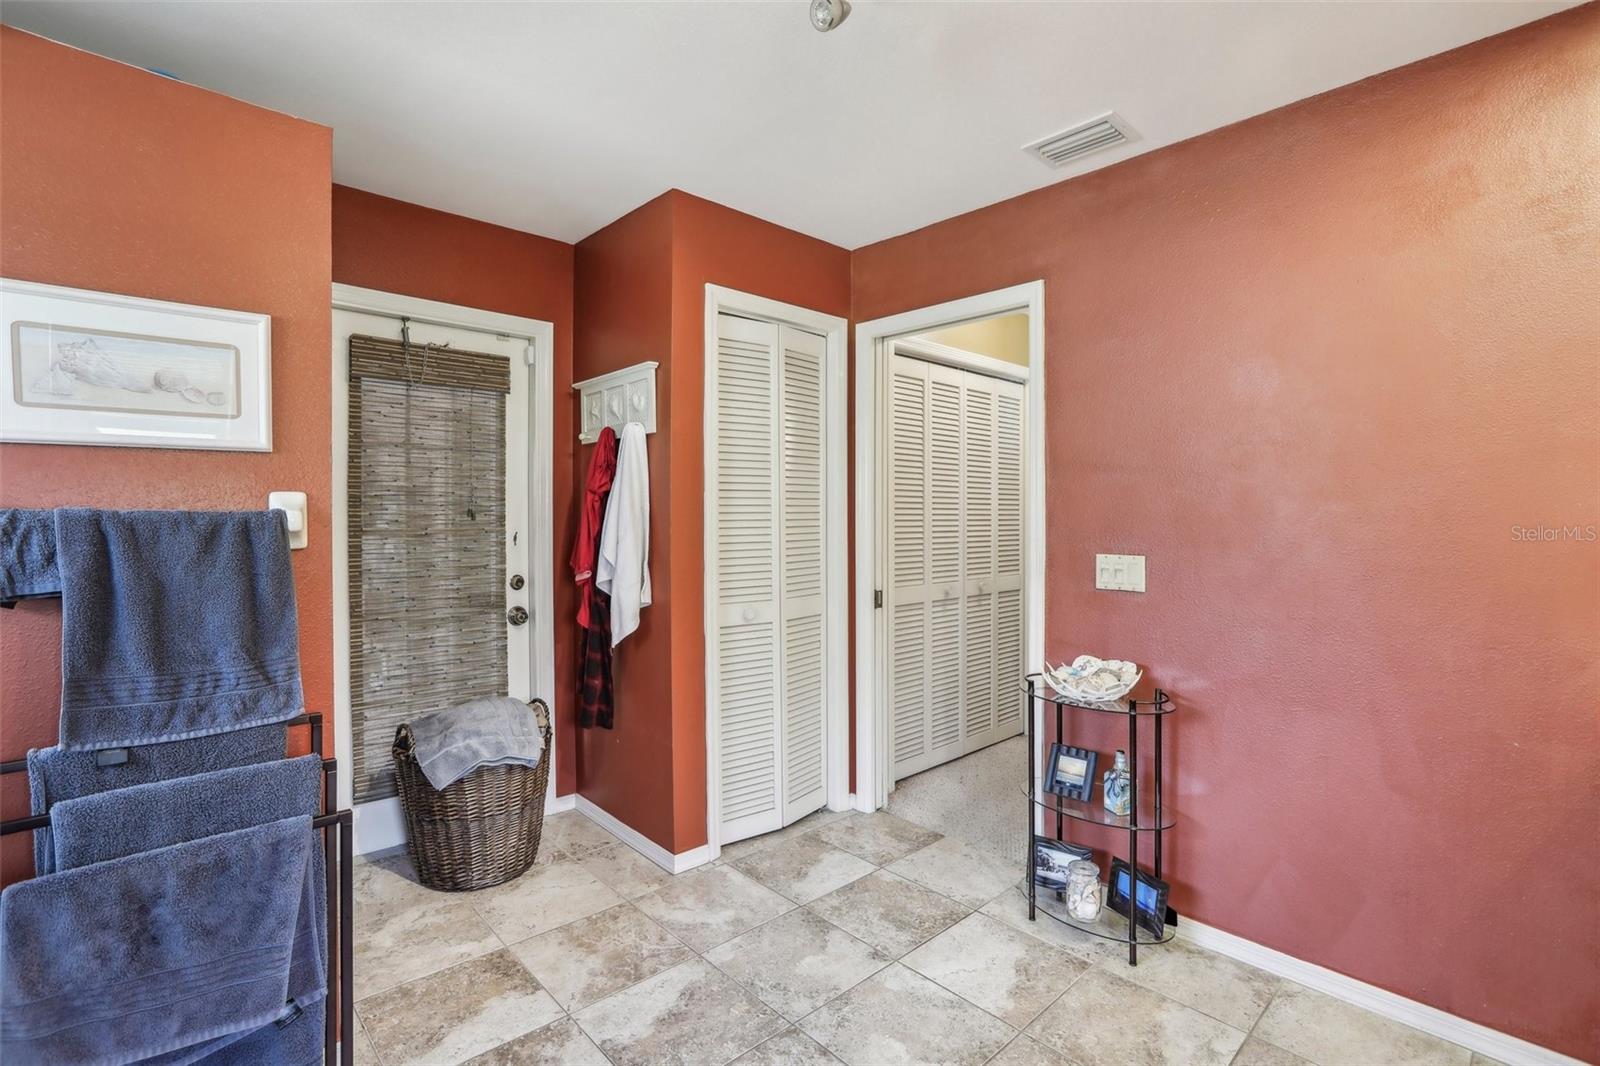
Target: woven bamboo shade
(427, 540)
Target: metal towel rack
(338, 849)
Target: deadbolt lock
(517, 616)
(516, 581)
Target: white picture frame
(98, 368)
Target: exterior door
(437, 492)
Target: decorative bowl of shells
(1092, 680)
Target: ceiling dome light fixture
(827, 14)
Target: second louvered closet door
(768, 506)
(954, 603)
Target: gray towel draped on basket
(152, 953)
(488, 731)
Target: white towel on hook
(623, 568)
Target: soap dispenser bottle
(1119, 786)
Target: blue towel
(145, 817)
(55, 775)
(295, 1040)
(489, 731)
(28, 554)
(151, 953)
(174, 624)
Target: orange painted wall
(641, 295)
(122, 181)
(1319, 368)
(394, 246)
(624, 316)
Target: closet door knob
(749, 614)
(517, 616)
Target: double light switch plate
(1122, 573)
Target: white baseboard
(1471, 1035)
(557, 804)
(379, 825)
(673, 864)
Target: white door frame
(875, 341)
(379, 825)
(720, 300)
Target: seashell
(1091, 679)
(215, 399)
(171, 380)
(194, 395)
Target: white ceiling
(556, 118)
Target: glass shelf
(1108, 926)
(1161, 704)
(1150, 820)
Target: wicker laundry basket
(484, 829)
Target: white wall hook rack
(617, 398)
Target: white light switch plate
(1123, 573)
(293, 506)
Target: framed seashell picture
(106, 369)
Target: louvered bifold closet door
(954, 603)
(992, 564)
(1009, 407)
(978, 562)
(746, 513)
(907, 565)
(924, 565)
(801, 570)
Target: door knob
(516, 581)
(517, 616)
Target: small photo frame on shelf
(1150, 906)
(1070, 772)
(1051, 858)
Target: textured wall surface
(1319, 368)
(624, 316)
(393, 246)
(118, 180)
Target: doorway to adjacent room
(949, 562)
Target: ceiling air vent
(1095, 135)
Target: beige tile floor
(861, 939)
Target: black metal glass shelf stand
(1148, 814)
(338, 849)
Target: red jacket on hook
(602, 468)
(596, 703)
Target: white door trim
(875, 341)
(382, 827)
(720, 300)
